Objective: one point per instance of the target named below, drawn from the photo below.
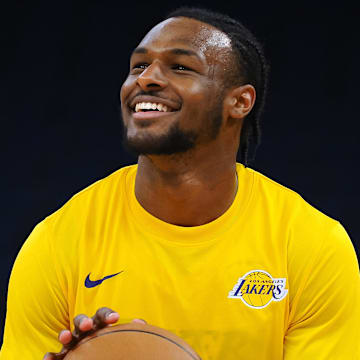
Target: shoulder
(97, 196)
(318, 251)
(105, 187)
(307, 231)
(288, 204)
(85, 212)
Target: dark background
(64, 63)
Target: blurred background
(64, 63)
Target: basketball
(133, 341)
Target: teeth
(151, 106)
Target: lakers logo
(257, 289)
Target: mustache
(149, 93)
(142, 93)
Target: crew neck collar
(192, 234)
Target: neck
(187, 189)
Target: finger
(105, 316)
(65, 337)
(49, 356)
(112, 318)
(68, 340)
(82, 323)
(54, 356)
(139, 321)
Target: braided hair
(251, 68)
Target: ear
(240, 101)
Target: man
(189, 240)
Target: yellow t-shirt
(271, 279)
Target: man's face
(172, 99)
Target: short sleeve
(36, 305)
(325, 316)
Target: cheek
(195, 94)
(198, 105)
(125, 91)
(126, 88)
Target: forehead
(192, 34)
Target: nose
(152, 78)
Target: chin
(175, 141)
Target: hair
(251, 68)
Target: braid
(253, 134)
(251, 69)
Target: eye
(181, 67)
(140, 66)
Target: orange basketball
(132, 341)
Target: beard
(175, 140)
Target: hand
(84, 326)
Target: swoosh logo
(90, 284)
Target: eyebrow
(175, 51)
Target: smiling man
(189, 239)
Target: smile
(149, 106)
(150, 114)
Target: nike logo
(90, 284)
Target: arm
(324, 319)
(37, 309)
(36, 306)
